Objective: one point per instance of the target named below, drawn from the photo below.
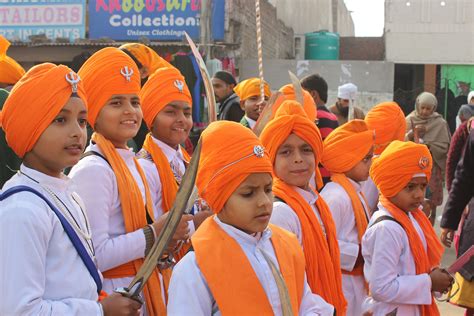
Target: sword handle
(124, 291)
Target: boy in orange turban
(166, 103)
(47, 261)
(248, 92)
(227, 272)
(400, 248)
(289, 94)
(347, 155)
(388, 121)
(110, 180)
(295, 147)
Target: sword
(282, 289)
(161, 243)
(210, 97)
(297, 87)
(266, 114)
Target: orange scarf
(231, 278)
(358, 209)
(134, 215)
(169, 187)
(321, 252)
(425, 260)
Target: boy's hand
(441, 281)
(447, 236)
(118, 305)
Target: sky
(368, 16)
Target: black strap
(278, 199)
(385, 218)
(94, 153)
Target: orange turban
(33, 104)
(290, 118)
(109, 71)
(251, 87)
(346, 146)
(289, 94)
(10, 70)
(163, 87)
(146, 56)
(388, 122)
(398, 163)
(225, 164)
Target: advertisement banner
(21, 18)
(155, 19)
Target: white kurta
(390, 269)
(153, 177)
(97, 185)
(41, 272)
(285, 217)
(340, 205)
(189, 293)
(371, 193)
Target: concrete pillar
(430, 79)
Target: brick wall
(362, 48)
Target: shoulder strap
(94, 153)
(77, 243)
(385, 218)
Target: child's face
(360, 172)
(295, 162)
(120, 119)
(62, 143)
(173, 124)
(250, 206)
(412, 196)
(252, 106)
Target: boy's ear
(242, 105)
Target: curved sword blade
(297, 87)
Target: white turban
(347, 91)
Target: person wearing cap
(401, 251)
(346, 94)
(10, 70)
(229, 103)
(347, 154)
(112, 183)
(47, 266)
(248, 92)
(426, 126)
(229, 270)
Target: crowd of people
(317, 210)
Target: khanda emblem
(259, 151)
(424, 163)
(126, 72)
(180, 85)
(73, 79)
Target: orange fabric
(289, 95)
(425, 260)
(122, 271)
(290, 118)
(388, 121)
(346, 146)
(102, 295)
(251, 87)
(395, 167)
(104, 76)
(321, 252)
(163, 87)
(146, 56)
(231, 278)
(33, 103)
(225, 164)
(10, 70)
(134, 215)
(169, 187)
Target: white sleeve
(188, 293)
(341, 210)
(25, 232)
(154, 184)
(313, 304)
(384, 282)
(284, 217)
(94, 184)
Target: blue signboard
(154, 19)
(55, 18)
